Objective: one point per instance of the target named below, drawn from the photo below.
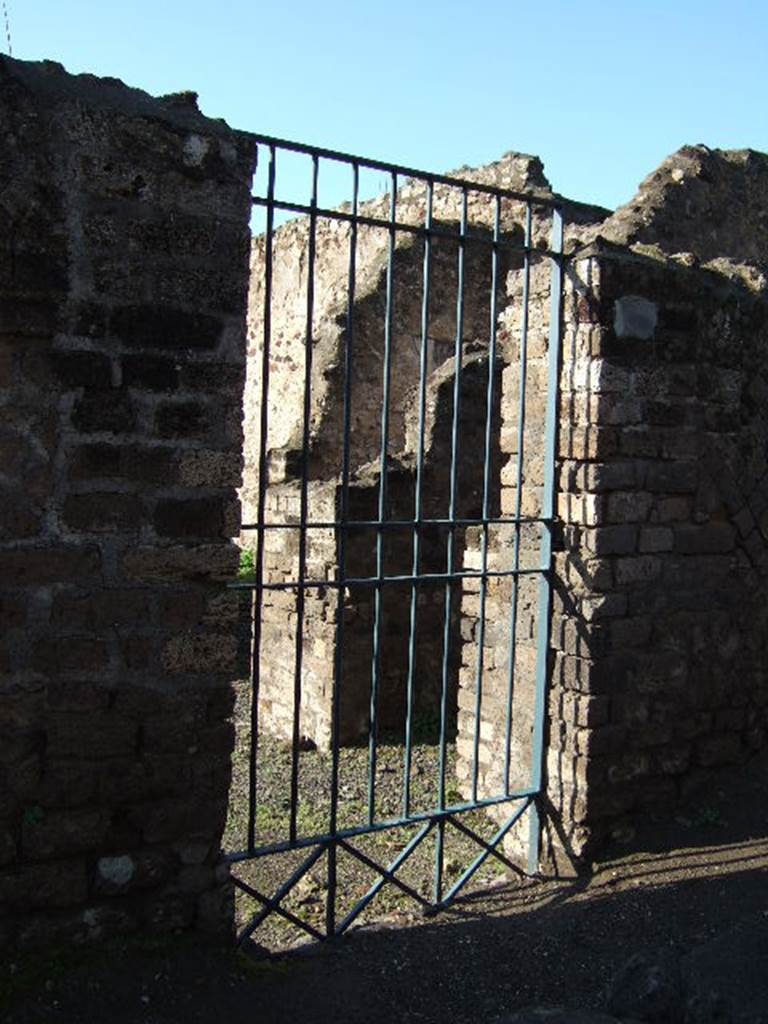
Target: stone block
(179, 609)
(654, 539)
(102, 512)
(162, 327)
(56, 834)
(628, 506)
(59, 563)
(8, 848)
(104, 411)
(603, 606)
(139, 652)
(183, 420)
(638, 570)
(189, 517)
(66, 782)
(151, 372)
(155, 776)
(45, 886)
(635, 317)
(640, 442)
(672, 510)
(201, 562)
(71, 654)
(672, 477)
(666, 413)
(607, 476)
(99, 610)
(128, 872)
(91, 736)
(82, 369)
(631, 632)
(611, 540)
(141, 463)
(210, 469)
(706, 538)
(13, 612)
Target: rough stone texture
(123, 276)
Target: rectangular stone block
(143, 463)
(150, 372)
(82, 369)
(704, 538)
(31, 566)
(91, 736)
(189, 517)
(611, 540)
(159, 326)
(104, 411)
(103, 512)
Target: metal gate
(402, 430)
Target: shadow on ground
(683, 881)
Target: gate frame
(527, 799)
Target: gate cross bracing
(470, 223)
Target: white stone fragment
(635, 317)
(195, 149)
(117, 870)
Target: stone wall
(123, 277)
(658, 636)
(496, 726)
(280, 613)
(663, 572)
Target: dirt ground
(681, 882)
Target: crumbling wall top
(50, 81)
(710, 203)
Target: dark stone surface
(646, 990)
(124, 245)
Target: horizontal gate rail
(430, 543)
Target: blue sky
(602, 91)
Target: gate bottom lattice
(401, 570)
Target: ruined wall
(333, 311)
(123, 277)
(708, 202)
(658, 642)
(280, 615)
(665, 570)
(290, 274)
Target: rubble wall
(123, 278)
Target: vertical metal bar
(258, 597)
(378, 603)
(338, 663)
(486, 492)
(458, 352)
(547, 517)
(523, 385)
(417, 511)
(300, 597)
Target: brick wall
(658, 640)
(123, 277)
(665, 544)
